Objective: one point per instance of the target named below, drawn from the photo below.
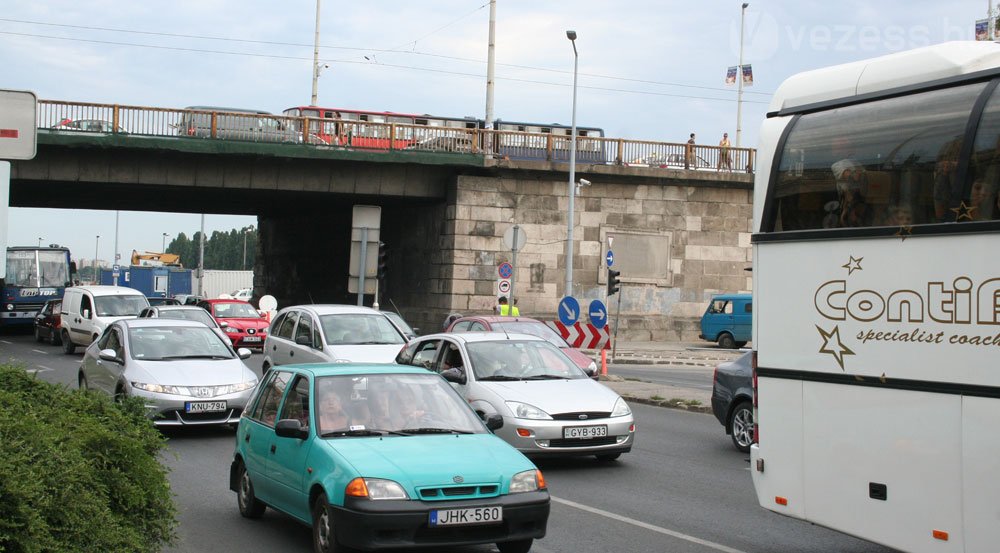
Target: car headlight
(233, 388)
(375, 488)
(232, 330)
(10, 307)
(621, 409)
(526, 411)
(527, 481)
(157, 388)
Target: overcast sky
(648, 69)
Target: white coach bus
(877, 299)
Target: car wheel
(38, 335)
(68, 346)
(608, 457)
(81, 381)
(324, 534)
(54, 338)
(519, 546)
(740, 344)
(741, 426)
(250, 506)
(726, 341)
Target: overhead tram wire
(351, 48)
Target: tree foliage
(79, 473)
(223, 250)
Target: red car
(524, 325)
(240, 321)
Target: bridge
(447, 197)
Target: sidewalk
(685, 354)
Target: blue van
(728, 320)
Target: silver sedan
(182, 370)
(549, 405)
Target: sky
(648, 69)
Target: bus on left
(34, 276)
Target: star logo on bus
(904, 232)
(833, 345)
(963, 211)
(853, 265)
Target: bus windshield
(36, 268)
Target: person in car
(332, 415)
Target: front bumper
(366, 524)
(169, 409)
(546, 436)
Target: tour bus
(34, 275)
(876, 325)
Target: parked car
(163, 301)
(88, 125)
(236, 124)
(525, 325)
(242, 323)
(732, 399)
(186, 313)
(242, 294)
(408, 331)
(331, 333)
(728, 320)
(88, 310)
(413, 467)
(47, 322)
(188, 299)
(184, 373)
(549, 405)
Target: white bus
(877, 299)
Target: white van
(88, 310)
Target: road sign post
(365, 237)
(514, 238)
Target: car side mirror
(290, 428)
(303, 340)
(109, 355)
(416, 332)
(244, 353)
(494, 422)
(85, 313)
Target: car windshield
(400, 322)
(198, 314)
(392, 404)
(161, 343)
(235, 310)
(520, 360)
(359, 328)
(120, 306)
(534, 328)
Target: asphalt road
(683, 376)
(682, 489)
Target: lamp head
(746, 5)
(585, 182)
(571, 35)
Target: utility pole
(490, 63)
(201, 259)
(739, 79)
(315, 91)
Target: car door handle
(291, 354)
(246, 438)
(272, 448)
(274, 347)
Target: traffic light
(613, 282)
(383, 259)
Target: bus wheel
(726, 341)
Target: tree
(223, 250)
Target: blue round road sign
(598, 314)
(569, 310)
(610, 258)
(505, 269)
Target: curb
(664, 361)
(666, 403)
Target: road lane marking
(6, 342)
(40, 369)
(40, 351)
(647, 526)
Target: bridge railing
(211, 123)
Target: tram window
(888, 162)
(420, 122)
(310, 113)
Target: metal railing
(219, 124)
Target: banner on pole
(747, 75)
(731, 75)
(982, 29)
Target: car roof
(500, 319)
(732, 297)
(332, 309)
(480, 336)
(153, 321)
(346, 369)
(227, 300)
(176, 308)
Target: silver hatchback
(549, 405)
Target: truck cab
(728, 320)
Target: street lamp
(97, 247)
(39, 241)
(739, 79)
(571, 189)
(163, 243)
(245, 232)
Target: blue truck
(153, 282)
(728, 320)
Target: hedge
(78, 472)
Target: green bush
(78, 472)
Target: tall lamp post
(39, 241)
(739, 79)
(315, 89)
(571, 188)
(245, 232)
(163, 243)
(97, 247)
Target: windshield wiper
(371, 342)
(499, 377)
(361, 432)
(546, 377)
(195, 356)
(435, 431)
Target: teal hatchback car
(383, 457)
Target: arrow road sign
(583, 335)
(569, 310)
(610, 258)
(598, 314)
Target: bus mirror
(72, 267)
